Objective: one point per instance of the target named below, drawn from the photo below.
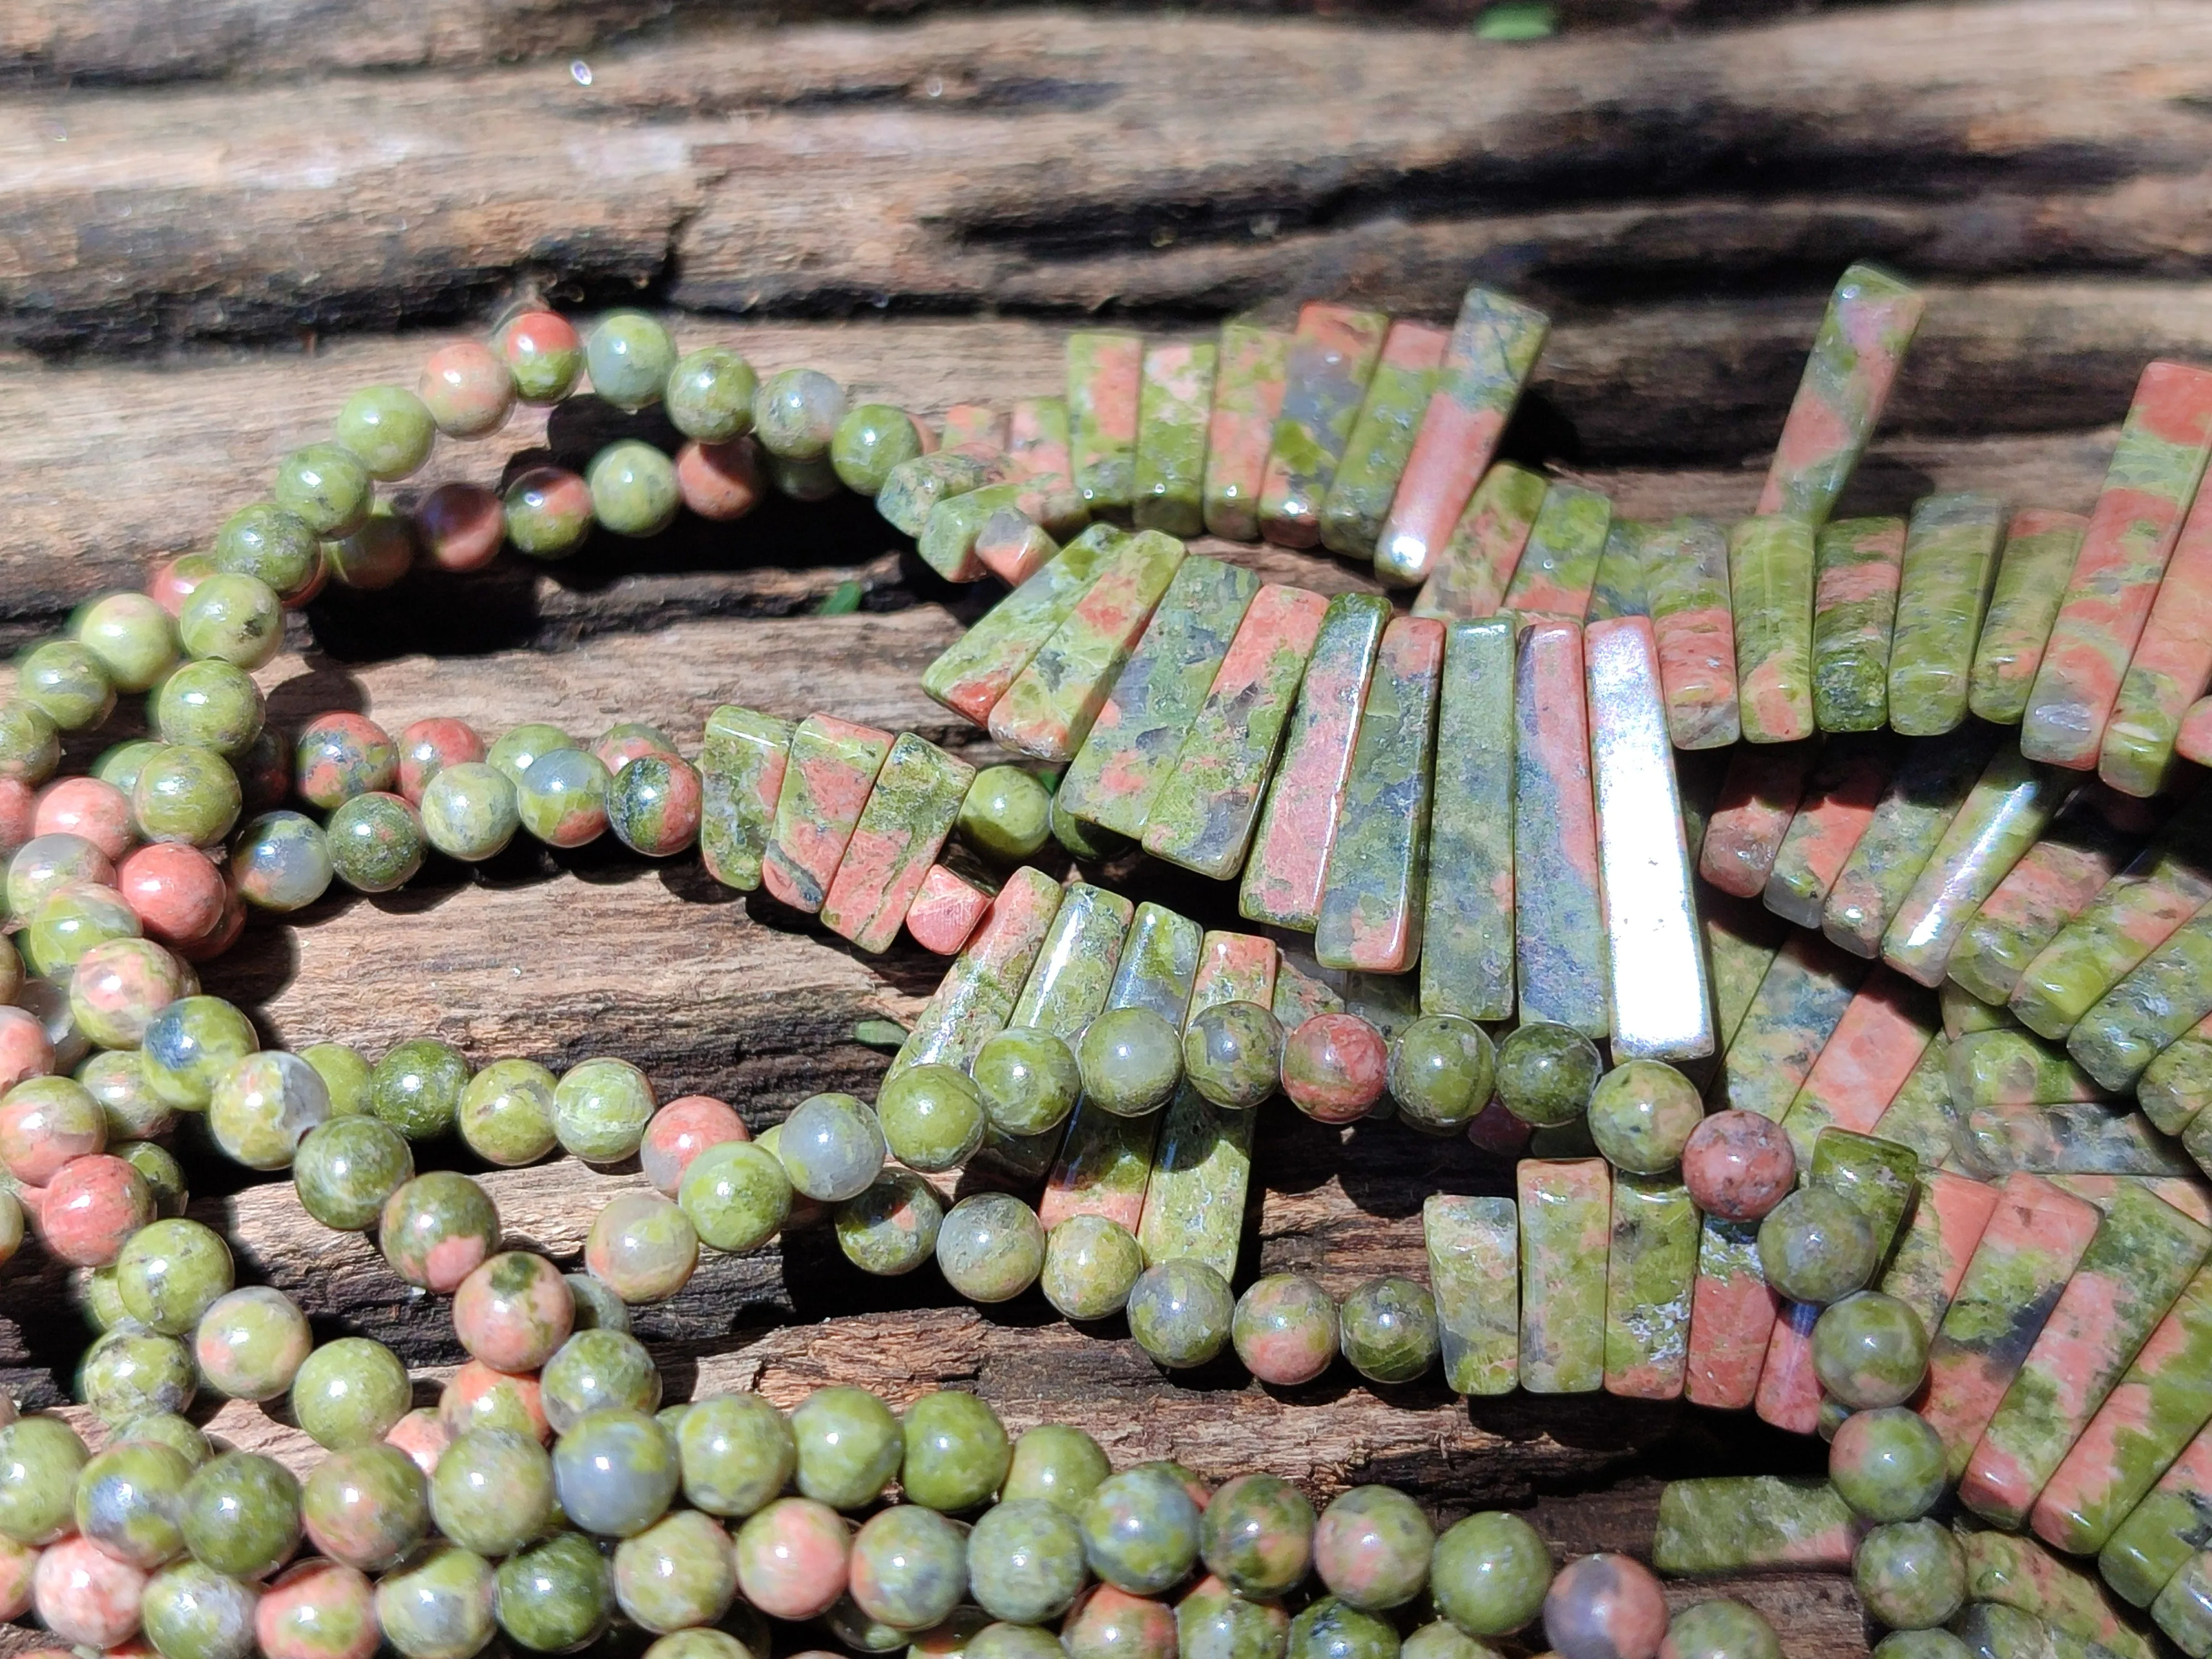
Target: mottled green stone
(1620, 589)
(1073, 972)
(2153, 1007)
(1879, 1178)
(1469, 577)
(1651, 1266)
(556, 1596)
(1910, 1574)
(2032, 576)
(1194, 1197)
(1869, 324)
(1950, 562)
(1175, 399)
(1565, 1215)
(1252, 363)
(2007, 808)
(970, 676)
(1104, 373)
(2088, 1139)
(1855, 564)
(1373, 891)
(2169, 1524)
(1745, 1523)
(2020, 1573)
(1489, 1574)
(1466, 932)
(1474, 1273)
(1771, 578)
(1931, 783)
(1332, 357)
(741, 774)
(1381, 439)
(2176, 1087)
(2008, 1067)
(1387, 1330)
(2184, 1608)
(1558, 565)
(1642, 1115)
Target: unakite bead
(166, 1429)
(505, 1113)
(1387, 1330)
(891, 1229)
(1545, 1073)
(600, 1109)
(1180, 1312)
(1091, 1263)
(493, 1491)
(1888, 1463)
(30, 742)
(282, 862)
(339, 755)
(1911, 1574)
(348, 1392)
(515, 1312)
(831, 1148)
(541, 352)
(932, 1117)
(115, 990)
(1003, 1640)
(1332, 1628)
(1440, 1071)
(70, 921)
(1870, 1351)
(1140, 1530)
(366, 1506)
(266, 541)
(548, 512)
(1489, 1574)
(521, 747)
(67, 683)
(1642, 1115)
(235, 619)
(438, 1604)
(598, 1368)
(376, 554)
(1898, 1644)
(614, 1471)
(629, 356)
(643, 1247)
(991, 1246)
(185, 792)
(116, 1079)
(346, 1169)
(1372, 1547)
(191, 1611)
(796, 413)
(654, 804)
(1285, 1329)
(1028, 1079)
(710, 394)
(469, 811)
(128, 1373)
(737, 1454)
(240, 1514)
(1131, 1059)
(849, 1447)
(1006, 814)
(1056, 1463)
(127, 1502)
(869, 441)
(345, 1074)
(909, 1567)
(634, 489)
(388, 428)
(1816, 1247)
(1257, 1536)
(1232, 1054)
(677, 1574)
(171, 1273)
(264, 1105)
(1213, 1622)
(598, 1308)
(132, 636)
(251, 1343)
(556, 1596)
(1107, 1623)
(956, 1451)
(1442, 1640)
(738, 1195)
(417, 1086)
(40, 1458)
(1722, 1629)
(437, 1228)
(1025, 1560)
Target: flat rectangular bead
(977, 428)
(1493, 349)
(1382, 437)
(1201, 1169)
(1932, 1254)
(2019, 1572)
(1741, 1523)
(1950, 561)
(2084, 1138)
(2187, 1194)
(1234, 967)
(1048, 709)
(1154, 702)
(2039, 550)
(1759, 800)
(1650, 1271)
(915, 488)
(1771, 588)
(1797, 1006)
(2092, 836)
(1741, 940)
(2184, 1608)
(1466, 930)
(741, 769)
(988, 528)
(1660, 1000)
(2155, 473)
(1994, 1632)
(1880, 1179)
(1856, 565)
(1788, 1394)
(1840, 796)
(1202, 818)
(1282, 883)
(1918, 1115)
(1474, 1272)
(977, 993)
(1732, 1315)
(1558, 565)
(1871, 321)
(2170, 669)
(1038, 441)
(2175, 1088)
(826, 782)
(1619, 590)
(946, 908)
(1333, 356)
(1251, 364)
(1158, 966)
(1470, 576)
(1685, 589)
(1931, 783)
(1874, 1048)
(2164, 1398)
(1566, 1218)
(1073, 972)
(2008, 1067)
(901, 829)
(971, 675)
(1104, 368)
(2132, 915)
(1558, 921)
(1697, 776)
(1963, 1011)
(2172, 1523)
(2034, 1237)
(1174, 401)
(2154, 1006)
(1372, 894)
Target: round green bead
(367, 1506)
(134, 638)
(849, 1447)
(388, 428)
(1026, 1562)
(266, 542)
(796, 413)
(240, 1514)
(629, 356)
(710, 395)
(282, 862)
(1888, 1463)
(1333, 1629)
(1140, 1530)
(171, 1273)
(557, 1595)
(1131, 1059)
(438, 1228)
(492, 1492)
(1910, 1574)
(127, 1503)
(1387, 1330)
(956, 1451)
(30, 742)
(633, 489)
(235, 619)
(70, 921)
(1723, 1629)
(1028, 1079)
(1257, 1536)
(100, 1292)
(910, 1567)
(211, 705)
(1232, 1053)
(1441, 1068)
(1870, 1351)
(737, 1454)
(190, 1045)
(377, 553)
(469, 811)
(1090, 1265)
(891, 1229)
(1642, 1115)
(737, 1195)
(597, 1369)
(932, 1117)
(1816, 1246)
(325, 487)
(165, 1429)
(1489, 1574)
(1442, 1640)
(1002, 1640)
(184, 793)
(678, 1574)
(991, 1246)
(1545, 1073)
(505, 1113)
(1058, 1463)
(642, 1246)
(116, 1078)
(871, 439)
(1898, 1644)
(128, 1373)
(346, 1170)
(1006, 813)
(614, 1471)
(40, 1458)
(158, 1167)
(521, 747)
(598, 1308)
(832, 1147)
(68, 683)
(653, 805)
(349, 1392)
(45, 865)
(345, 1074)
(438, 1604)
(547, 512)
(600, 1109)
(1285, 1329)
(1372, 1546)
(1213, 1622)
(1180, 1312)
(416, 1087)
(191, 1611)
(251, 1343)
(375, 842)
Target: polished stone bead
(957, 1452)
(1372, 1547)
(1388, 1329)
(1950, 563)
(1105, 1623)
(1332, 357)
(1870, 1351)
(40, 1461)
(1877, 1178)
(2166, 674)
(1440, 1071)
(1213, 1623)
(1565, 1209)
(264, 1105)
(1738, 1523)
(557, 1595)
(261, 540)
(1855, 359)
(1005, 813)
(1888, 1464)
(1558, 564)
(2038, 562)
(709, 393)
(1285, 1329)
(832, 1147)
(1105, 381)
(1490, 1573)
(240, 1514)
(345, 1170)
(1333, 1629)
(1467, 929)
(129, 1372)
(1808, 988)
(1771, 574)
(1651, 1270)
(793, 1559)
(908, 813)
(1061, 1465)
(230, 618)
(1558, 924)
(831, 768)
(437, 1229)
(1200, 1160)
(2184, 1608)
(909, 1567)
(126, 1504)
(1605, 1607)
(741, 771)
(1140, 1530)
(1469, 577)
(325, 487)
(349, 1392)
(2158, 1003)
(251, 1344)
(738, 1452)
(2020, 1573)
(1545, 1073)
(1381, 439)
(1473, 1255)
(1619, 590)
(1025, 1560)
(440, 1604)
(1335, 1067)
(469, 812)
(1180, 1312)
(1131, 1061)
(1028, 1079)
(1252, 368)
(192, 1612)
(870, 441)
(171, 1273)
(627, 354)
(946, 908)
(1174, 402)
(615, 1472)
(1839, 798)
(1722, 1629)
(598, 1368)
(1816, 1247)
(375, 843)
(641, 1247)
(1752, 815)
(1232, 1054)
(561, 799)
(991, 1246)
(1643, 1114)
(1856, 563)
(493, 1491)
(978, 998)
(1910, 1574)
(1257, 1536)
(932, 1117)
